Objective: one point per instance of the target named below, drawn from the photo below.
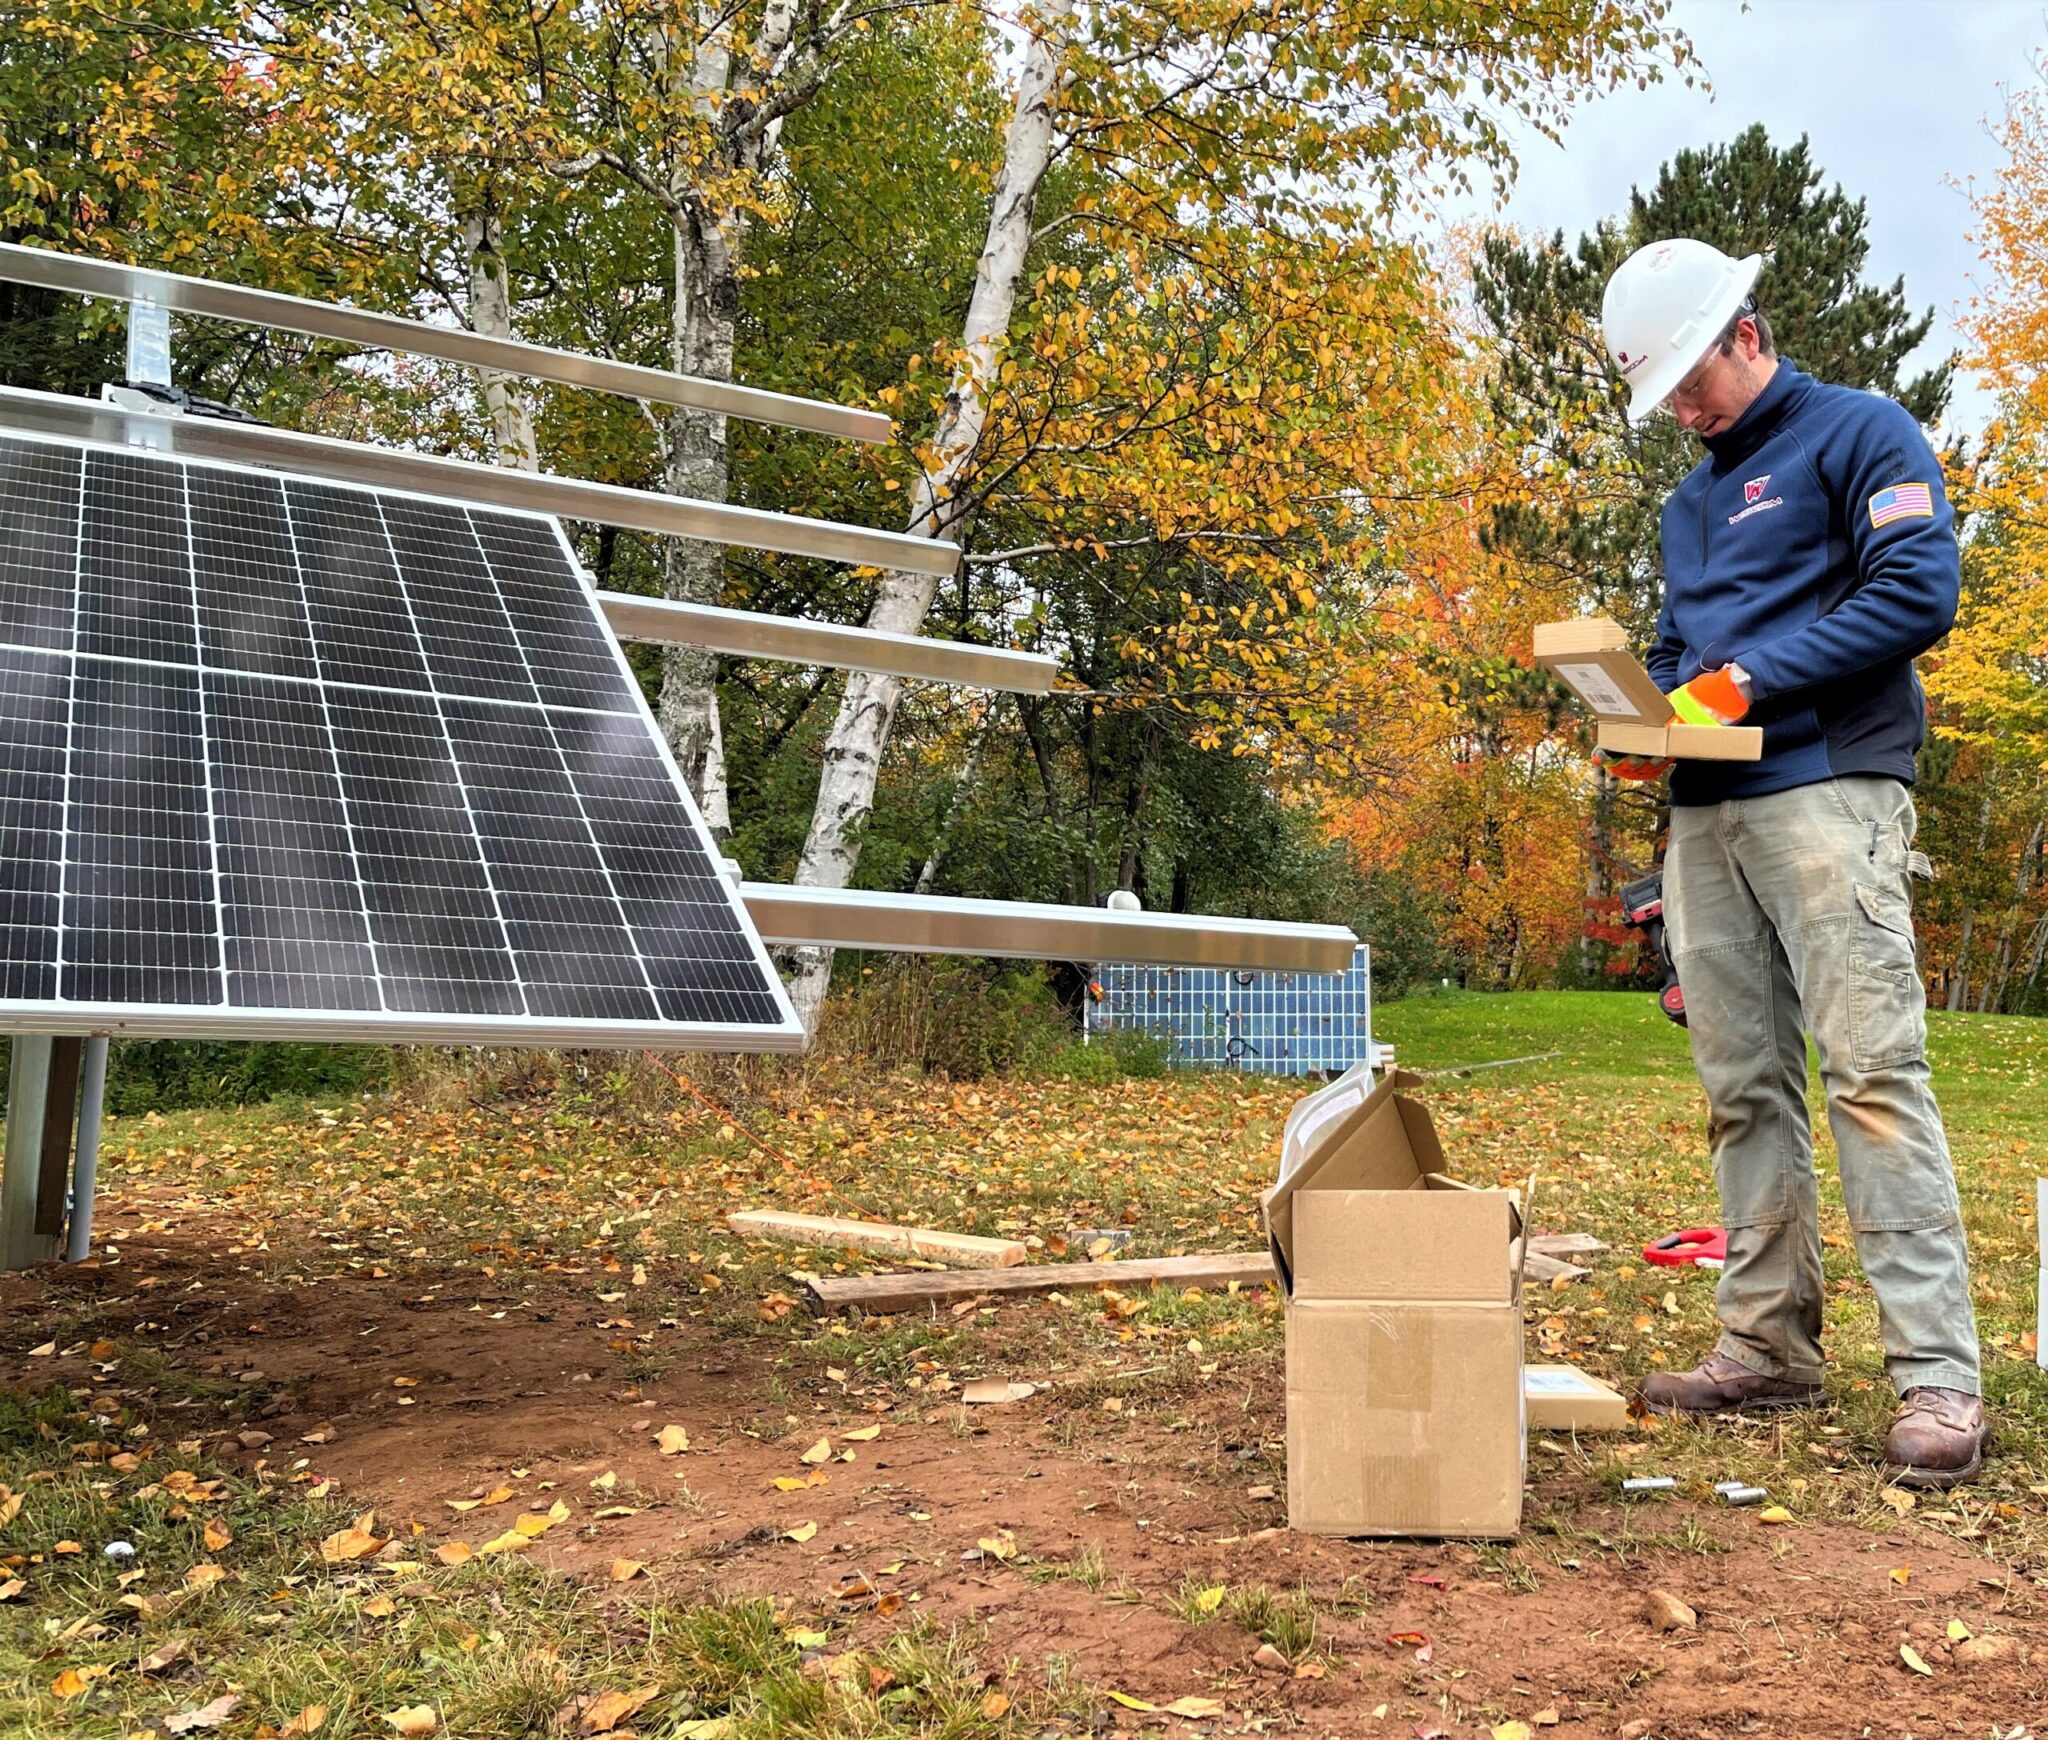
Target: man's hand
(1711, 698)
(1643, 767)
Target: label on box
(1557, 1381)
(1598, 690)
(1339, 1100)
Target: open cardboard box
(1591, 657)
(1404, 1323)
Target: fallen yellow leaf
(414, 1719)
(1900, 1574)
(71, 1683)
(1774, 1513)
(606, 1711)
(789, 1483)
(672, 1440)
(1131, 1703)
(865, 1435)
(1958, 1632)
(1194, 1708)
(511, 1541)
(454, 1552)
(802, 1532)
(380, 1607)
(352, 1542)
(204, 1576)
(310, 1720)
(1000, 1545)
(625, 1570)
(818, 1452)
(1513, 1731)
(1208, 1600)
(995, 1706)
(1911, 1657)
(161, 1657)
(217, 1535)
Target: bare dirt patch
(1075, 1538)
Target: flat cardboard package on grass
(1404, 1323)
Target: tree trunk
(2037, 951)
(1958, 979)
(1959, 986)
(956, 807)
(490, 312)
(860, 733)
(694, 464)
(1599, 850)
(2000, 979)
(694, 460)
(1134, 808)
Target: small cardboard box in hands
(1404, 1323)
(1591, 658)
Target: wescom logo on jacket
(1815, 547)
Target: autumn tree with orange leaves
(1989, 684)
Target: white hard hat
(1665, 306)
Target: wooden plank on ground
(964, 1250)
(882, 1293)
(1566, 1244)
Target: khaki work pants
(1792, 914)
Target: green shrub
(169, 1075)
(1123, 1054)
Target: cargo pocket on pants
(1887, 1019)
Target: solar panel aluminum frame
(746, 634)
(386, 1027)
(321, 457)
(302, 314)
(1037, 931)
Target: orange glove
(1711, 698)
(1643, 767)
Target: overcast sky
(1893, 95)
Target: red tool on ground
(1704, 1247)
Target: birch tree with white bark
(1192, 125)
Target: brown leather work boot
(1720, 1385)
(1938, 1438)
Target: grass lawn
(507, 1281)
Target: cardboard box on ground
(1404, 1323)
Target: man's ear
(1747, 339)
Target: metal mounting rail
(182, 295)
(936, 925)
(209, 438)
(746, 635)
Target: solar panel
(1272, 1023)
(292, 757)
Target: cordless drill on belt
(1642, 905)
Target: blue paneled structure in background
(1271, 1023)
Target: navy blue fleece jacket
(1815, 547)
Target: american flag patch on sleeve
(1903, 501)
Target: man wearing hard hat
(1808, 558)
